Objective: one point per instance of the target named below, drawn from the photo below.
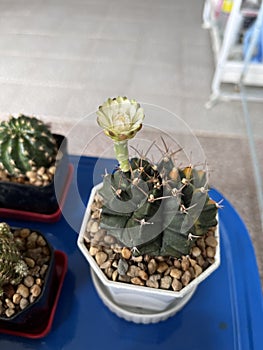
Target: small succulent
(25, 143)
(12, 266)
(158, 209)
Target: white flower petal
(103, 120)
(120, 117)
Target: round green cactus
(159, 210)
(12, 266)
(25, 143)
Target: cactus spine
(25, 143)
(12, 266)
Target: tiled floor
(60, 59)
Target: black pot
(30, 198)
(35, 314)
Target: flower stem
(122, 154)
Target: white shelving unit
(243, 73)
(228, 70)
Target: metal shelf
(227, 70)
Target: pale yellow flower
(120, 118)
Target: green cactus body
(160, 209)
(25, 143)
(12, 266)
(130, 212)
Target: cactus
(129, 209)
(25, 143)
(12, 266)
(157, 214)
(158, 209)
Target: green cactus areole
(25, 142)
(12, 266)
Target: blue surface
(226, 311)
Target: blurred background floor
(60, 59)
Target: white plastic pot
(150, 300)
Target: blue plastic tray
(225, 312)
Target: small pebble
(177, 264)
(165, 282)
(28, 281)
(137, 259)
(16, 298)
(108, 239)
(101, 257)
(200, 260)
(23, 290)
(31, 298)
(176, 273)
(114, 275)
(192, 272)
(186, 278)
(99, 237)
(9, 304)
(94, 227)
(143, 275)
(106, 264)
(32, 237)
(9, 312)
(124, 278)
(152, 283)
(133, 271)
(185, 263)
(93, 250)
(211, 241)
(41, 241)
(24, 233)
(198, 270)
(201, 243)
(39, 281)
(152, 266)
(126, 253)
(137, 281)
(176, 285)
(109, 272)
(31, 175)
(162, 266)
(30, 262)
(122, 267)
(35, 290)
(23, 303)
(52, 170)
(41, 171)
(210, 252)
(196, 251)
(38, 183)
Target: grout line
(52, 84)
(76, 58)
